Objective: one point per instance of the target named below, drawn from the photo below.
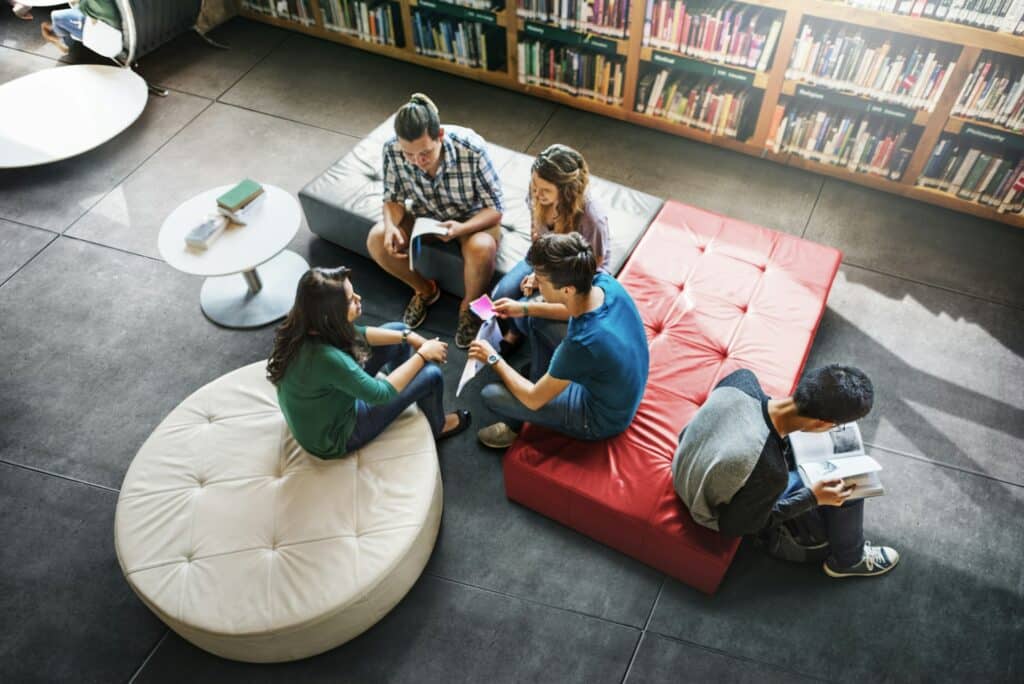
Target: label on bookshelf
(855, 103)
(989, 135)
(559, 35)
(673, 61)
(459, 12)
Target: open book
(838, 453)
(423, 226)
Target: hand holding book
(832, 492)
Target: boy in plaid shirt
(448, 177)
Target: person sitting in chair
(734, 466)
(448, 177)
(559, 203)
(67, 25)
(588, 385)
(324, 368)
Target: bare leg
(397, 266)
(478, 253)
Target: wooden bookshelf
(772, 82)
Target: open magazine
(838, 453)
(423, 226)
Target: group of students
(733, 468)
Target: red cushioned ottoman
(715, 295)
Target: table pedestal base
(251, 300)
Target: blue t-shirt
(605, 353)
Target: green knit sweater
(104, 10)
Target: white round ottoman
(251, 548)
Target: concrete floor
(100, 339)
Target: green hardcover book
(240, 195)
(974, 175)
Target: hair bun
(421, 99)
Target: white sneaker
(497, 436)
(877, 560)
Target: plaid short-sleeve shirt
(466, 182)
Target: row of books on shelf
(857, 141)
(994, 92)
(700, 101)
(995, 15)
(489, 5)
(296, 10)
(607, 17)
(911, 73)
(372, 20)
(571, 70)
(727, 32)
(976, 174)
(462, 42)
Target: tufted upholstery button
(238, 607)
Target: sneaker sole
(494, 445)
(839, 575)
(423, 318)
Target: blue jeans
(566, 413)
(426, 389)
(844, 525)
(68, 25)
(508, 287)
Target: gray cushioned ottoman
(345, 201)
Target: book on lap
(837, 454)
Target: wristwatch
(493, 359)
(405, 335)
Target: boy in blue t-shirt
(595, 377)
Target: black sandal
(465, 418)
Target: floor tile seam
(643, 632)
(355, 136)
(741, 658)
(29, 52)
(124, 179)
(944, 288)
(149, 656)
(122, 250)
(810, 215)
(42, 249)
(551, 116)
(50, 473)
(29, 225)
(940, 464)
(283, 39)
(535, 602)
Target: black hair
(416, 117)
(564, 259)
(834, 393)
(320, 316)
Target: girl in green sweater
(324, 368)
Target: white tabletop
(62, 112)
(270, 226)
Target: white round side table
(236, 294)
(62, 112)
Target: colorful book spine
(994, 92)
(873, 64)
(986, 175)
(606, 17)
(462, 42)
(994, 15)
(376, 22)
(704, 102)
(857, 141)
(733, 33)
(571, 70)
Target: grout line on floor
(535, 602)
(643, 632)
(30, 260)
(284, 39)
(745, 659)
(149, 656)
(29, 52)
(810, 215)
(112, 247)
(29, 225)
(355, 136)
(138, 166)
(932, 461)
(945, 288)
(41, 471)
(551, 116)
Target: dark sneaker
(877, 560)
(469, 326)
(416, 310)
(497, 436)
